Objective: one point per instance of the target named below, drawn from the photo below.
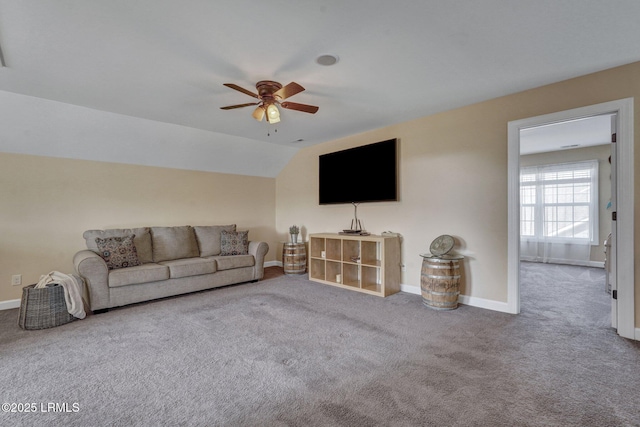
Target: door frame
(625, 198)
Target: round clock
(441, 245)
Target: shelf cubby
(370, 278)
(370, 253)
(351, 275)
(351, 251)
(316, 269)
(316, 247)
(333, 250)
(333, 269)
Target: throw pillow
(234, 243)
(142, 240)
(171, 243)
(209, 238)
(118, 252)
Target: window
(559, 203)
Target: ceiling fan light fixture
(273, 115)
(270, 94)
(258, 113)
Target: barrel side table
(294, 258)
(440, 281)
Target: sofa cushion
(118, 252)
(141, 274)
(234, 243)
(209, 238)
(142, 240)
(189, 267)
(235, 261)
(171, 243)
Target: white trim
(410, 289)
(625, 223)
(625, 199)
(596, 264)
(513, 218)
(485, 303)
(9, 304)
(637, 334)
(273, 264)
(464, 299)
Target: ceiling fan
(270, 95)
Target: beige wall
(47, 203)
(453, 172)
(600, 153)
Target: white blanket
(72, 291)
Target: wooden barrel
(294, 258)
(440, 281)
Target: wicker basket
(43, 308)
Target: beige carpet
(289, 352)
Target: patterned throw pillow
(234, 243)
(118, 252)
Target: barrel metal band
(443, 267)
(431, 276)
(428, 291)
(441, 260)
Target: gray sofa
(126, 266)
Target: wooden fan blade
(299, 107)
(232, 107)
(288, 90)
(258, 113)
(240, 89)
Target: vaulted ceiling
(167, 60)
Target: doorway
(565, 213)
(624, 306)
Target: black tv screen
(362, 174)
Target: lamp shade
(273, 115)
(258, 113)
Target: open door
(612, 258)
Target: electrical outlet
(16, 280)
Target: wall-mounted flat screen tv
(368, 173)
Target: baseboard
(8, 305)
(410, 289)
(465, 299)
(597, 264)
(637, 337)
(488, 304)
(273, 264)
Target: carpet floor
(289, 352)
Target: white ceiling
(567, 135)
(166, 61)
